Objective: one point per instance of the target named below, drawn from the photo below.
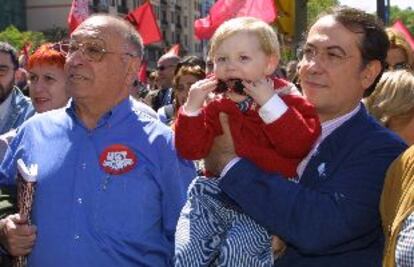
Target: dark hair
(194, 70)
(190, 61)
(374, 41)
(8, 49)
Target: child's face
(241, 57)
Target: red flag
(144, 20)
(26, 51)
(78, 13)
(399, 26)
(224, 10)
(142, 72)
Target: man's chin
(4, 93)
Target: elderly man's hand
(222, 150)
(16, 235)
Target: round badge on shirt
(117, 159)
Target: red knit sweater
(275, 147)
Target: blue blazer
(331, 217)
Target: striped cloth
(404, 252)
(245, 104)
(212, 231)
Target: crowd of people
(237, 159)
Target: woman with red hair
(47, 92)
(47, 77)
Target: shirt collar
(329, 126)
(116, 114)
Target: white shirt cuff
(273, 109)
(191, 114)
(229, 166)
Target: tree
(56, 34)
(17, 38)
(315, 7)
(406, 16)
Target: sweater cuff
(190, 114)
(273, 109)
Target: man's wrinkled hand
(16, 236)
(222, 150)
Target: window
(172, 17)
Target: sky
(371, 5)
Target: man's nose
(313, 65)
(75, 58)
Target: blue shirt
(86, 216)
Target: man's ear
(370, 73)
(272, 64)
(133, 67)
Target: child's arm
(196, 127)
(296, 130)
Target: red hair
(47, 53)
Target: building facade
(175, 19)
(12, 12)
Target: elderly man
(165, 69)
(109, 183)
(15, 108)
(328, 215)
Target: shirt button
(83, 166)
(80, 200)
(76, 237)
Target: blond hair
(266, 35)
(397, 40)
(393, 97)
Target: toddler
(271, 125)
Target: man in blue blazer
(328, 215)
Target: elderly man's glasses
(93, 50)
(329, 57)
(61, 47)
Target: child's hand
(261, 91)
(198, 93)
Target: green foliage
(315, 7)
(56, 34)
(405, 15)
(17, 38)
